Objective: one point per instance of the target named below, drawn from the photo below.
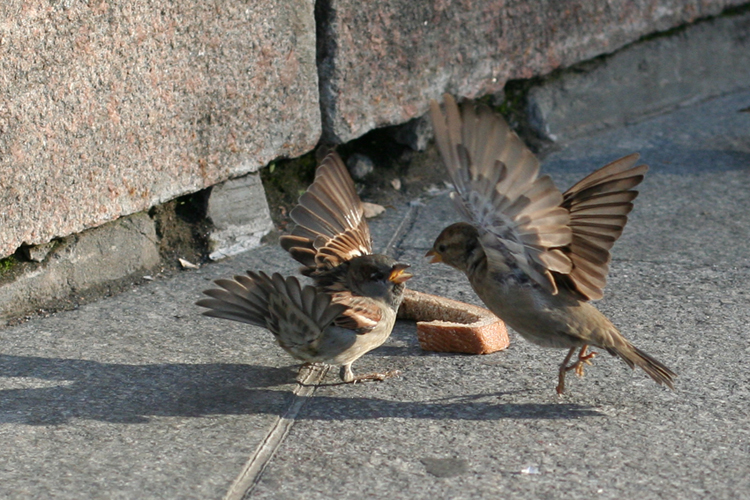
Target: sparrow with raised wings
(534, 255)
(352, 307)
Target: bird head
(455, 245)
(378, 276)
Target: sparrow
(351, 308)
(533, 255)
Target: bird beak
(435, 257)
(399, 274)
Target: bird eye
(441, 248)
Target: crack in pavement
(393, 246)
(308, 381)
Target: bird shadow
(54, 391)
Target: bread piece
(446, 325)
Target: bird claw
(584, 358)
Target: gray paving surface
(138, 396)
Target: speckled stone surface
(706, 59)
(382, 62)
(98, 256)
(107, 108)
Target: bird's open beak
(399, 273)
(435, 257)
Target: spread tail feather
(654, 368)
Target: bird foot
(584, 359)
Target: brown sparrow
(351, 309)
(535, 256)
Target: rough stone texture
(416, 133)
(94, 257)
(109, 108)
(381, 62)
(38, 253)
(239, 212)
(707, 59)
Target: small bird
(351, 309)
(534, 255)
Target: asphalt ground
(139, 396)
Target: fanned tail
(653, 367)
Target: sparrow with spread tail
(534, 255)
(351, 309)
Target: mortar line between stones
(252, 471)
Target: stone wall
(107, 109)
(381, 65)
(707, 59)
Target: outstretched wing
(296, 316)
(498, 190)
(523, 218)
(598, 206)
(331, 227)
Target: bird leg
(583, 359)
(563, 370)
(348, 377)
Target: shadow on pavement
(53, 391)
(132, 393)
(340, 408)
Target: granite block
(107, 109)
(381, 63)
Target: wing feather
(331, 227)
(522, 217)
(599, 204)
(362, 314)
(497, 186)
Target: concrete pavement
(138, 396)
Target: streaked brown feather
(598, 205)
(362, 314)
(296, 315)
(331, 227)
(593, 253)
(555, 260)
(655, 369)
(497, 185)
(619, 169)
(621, 198)
(499, 191)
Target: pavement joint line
(403, 228)
(243, 485)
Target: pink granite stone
(107, 108)
(381, 62)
